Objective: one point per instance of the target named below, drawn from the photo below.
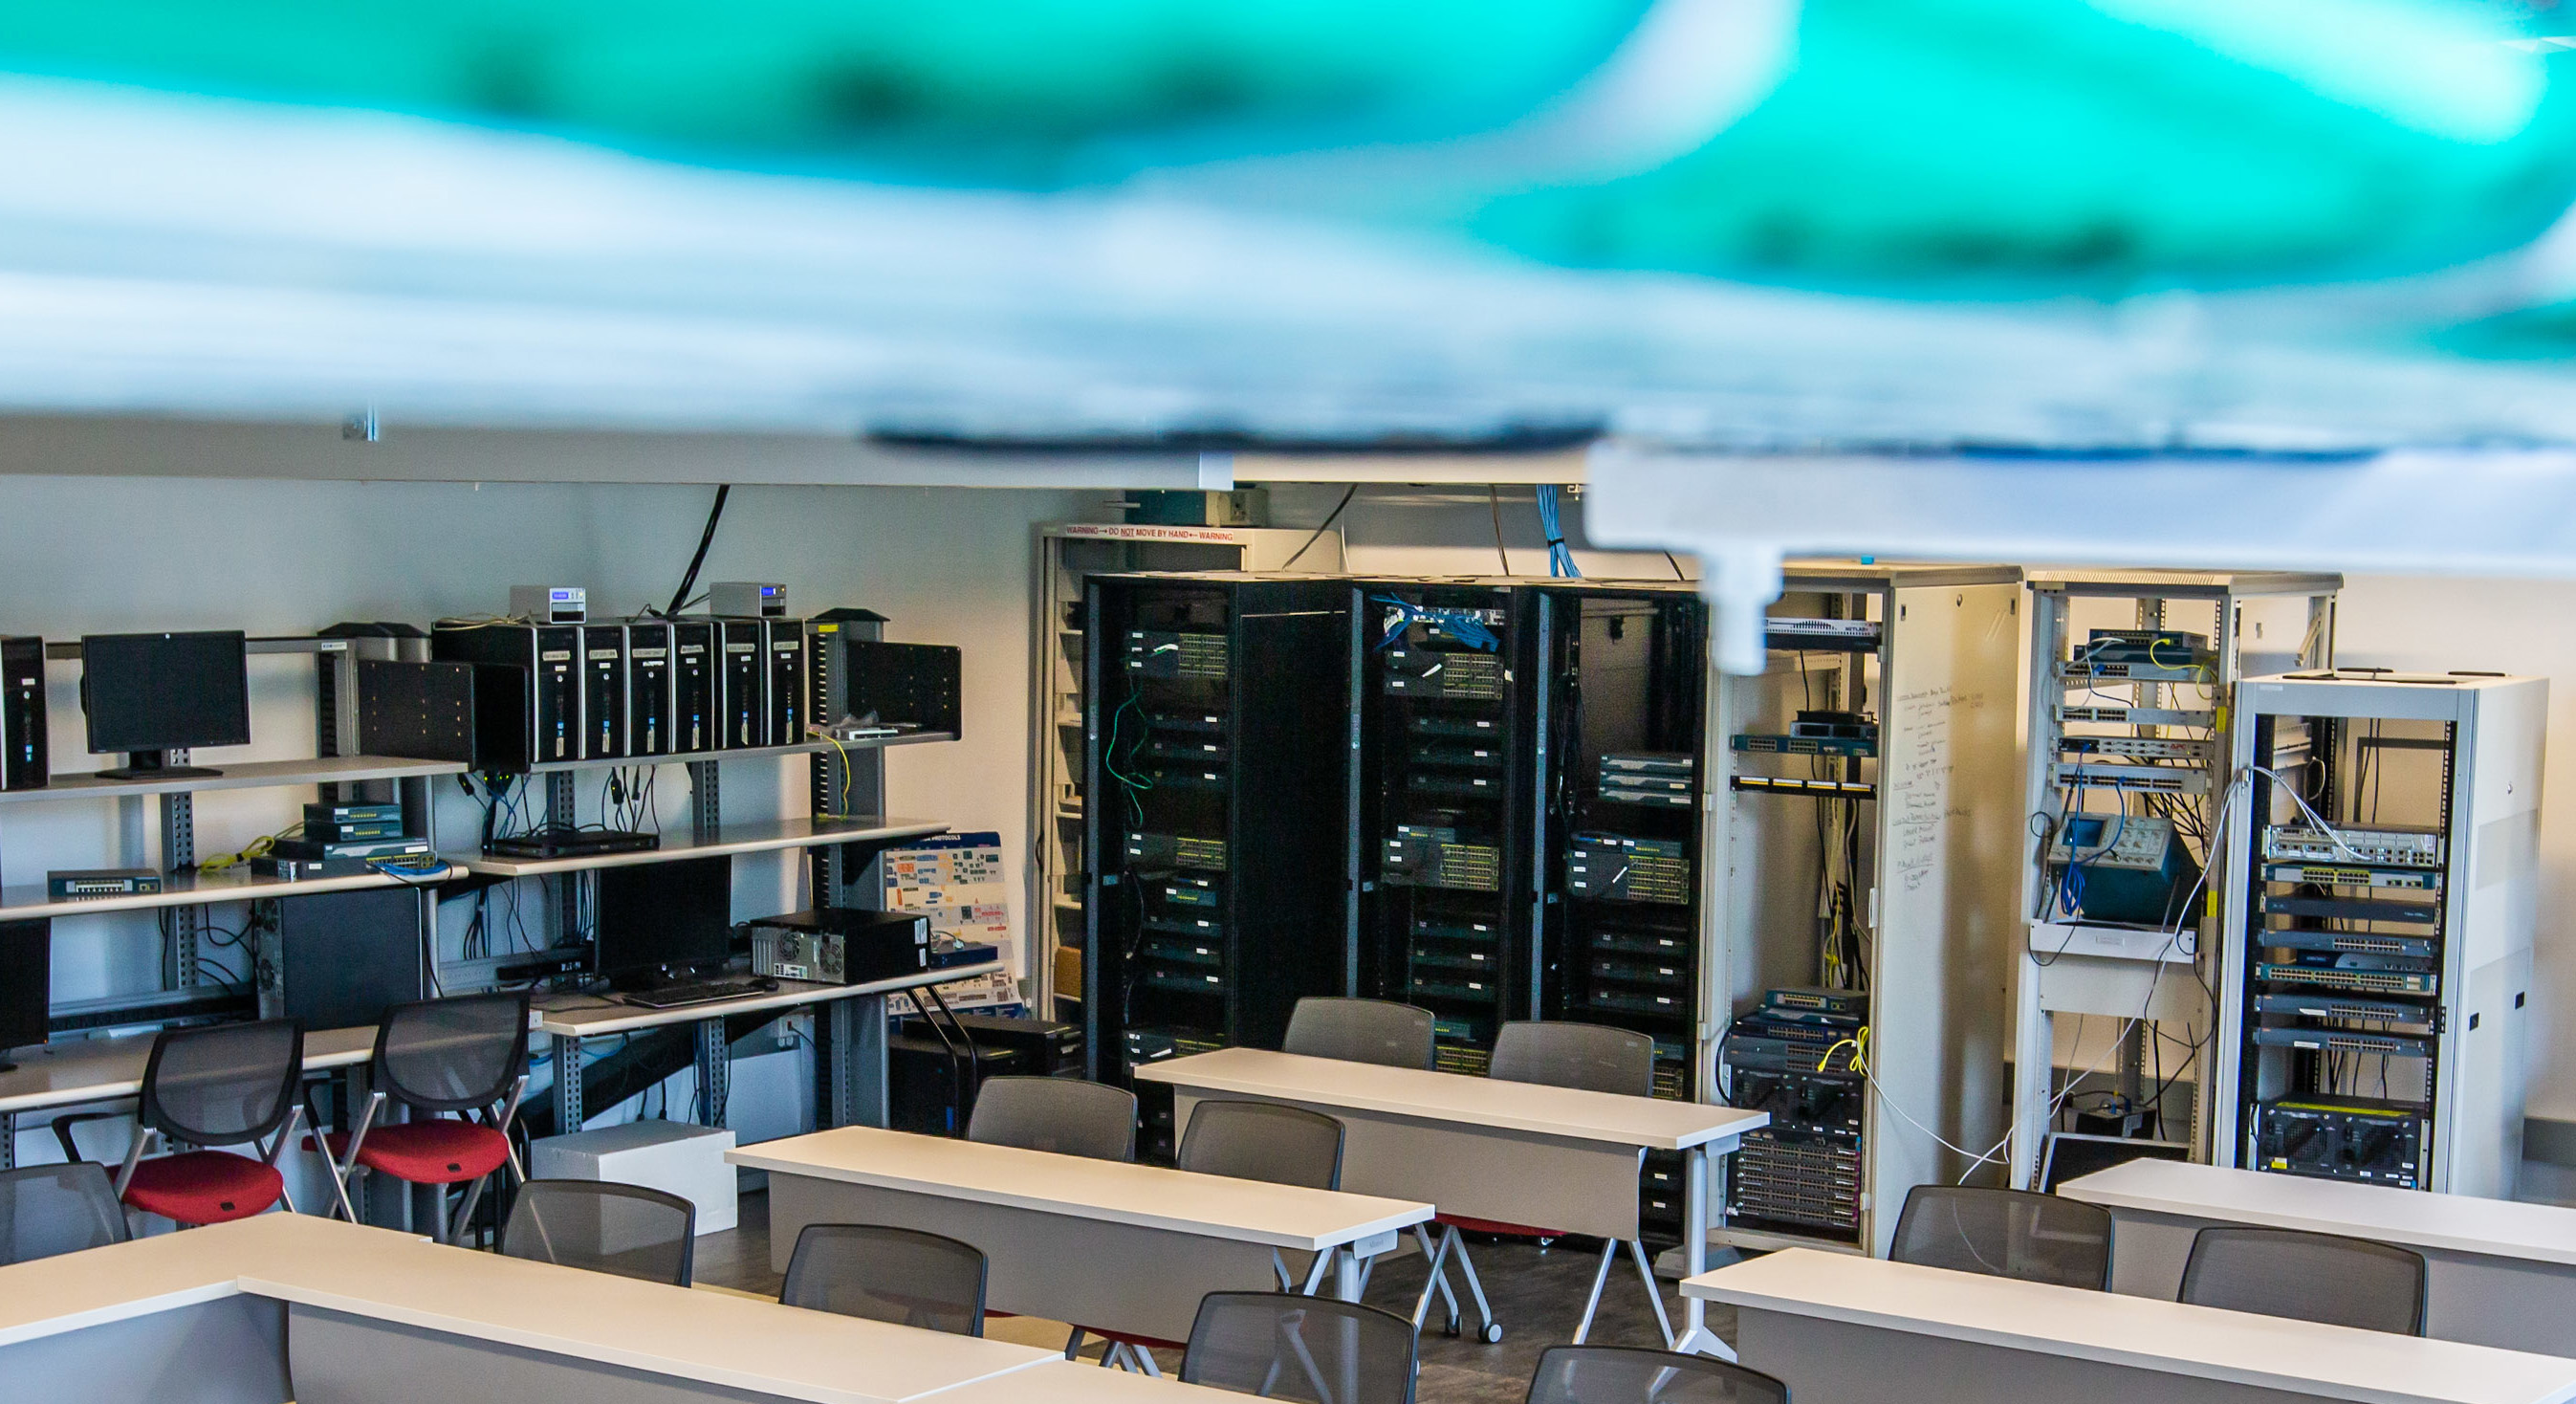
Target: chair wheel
(1453, 1329)
(1493, 1333)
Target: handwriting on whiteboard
(1918, 790)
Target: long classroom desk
(1103, 1243)
(291, 1306)
(1855, 1330)
(2497, 1272)
(1513, 1152)
(77, 1072)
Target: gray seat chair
(1360, 1031)
(2307, 1276)
(1315, 1349)
(623, 1229)
(888, 1274)
(1055, 1114)
(1627, 1375)
(51, 1209)
(2005, 1233)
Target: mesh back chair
(1623, 1375)
(1280, 1346)
(467, 1056)
(1556, 1053)
(2308, 1276)
(2006, 1233)
(623, 1229)
(1055, 1114)
(1360, 1031)
(888, 1274)
(229, 1085)
(50, 1209)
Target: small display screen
(160, 692)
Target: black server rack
(1218, 765)
(693, 686)
(548, 655)
(1448, 907)
(23, 757)
(648, 687)
(742, 699)
(603, 691)
(785, 692)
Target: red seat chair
(230, 1085)
(467, 1057)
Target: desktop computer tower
(343, 958)
(786, 682)
(693, 685)
(648, 687)
(742, 697)
(22, 713)
(550, 656)
(603, 691)
(26, 983)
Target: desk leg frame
(1696, 1338)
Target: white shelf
(235, 884)
(241, 775)
(757, 837)
(801, 748)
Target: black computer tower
(24, 763)
(1448, 915)
(742, 674)
(345, 957)
(603, 691)
(693, 686)
(550, 655)
(1219, 768)
(648, 687)
(786, 645)
(26, 984)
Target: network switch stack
(2380, 929)
(1801, 1056)
(1218, 779)
(1447, 913)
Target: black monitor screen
(26, 979)
(2072, 1157)
(664, 918)
(160, 692)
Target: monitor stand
(154, 765)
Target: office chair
(1317, 1349)
(1263, 1141)
(888, 1274)
(50, 1209)
(1055, 1114)
(623, 1229)
(2005, 1233)
(2308, 1277)
(1627, 1375)
(1360, 1031)
(228, 1085)
(1556, 1053)
(466, 1055)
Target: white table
(1514, 1152)
(1102, 1243)
(228, 1314)
(1857, 1330)
(77, 1072)
(854, 1040)
(2496, 1272)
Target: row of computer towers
(1481, 797)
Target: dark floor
(1539, 1296)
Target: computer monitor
(664, 921)
(148, 694)
(2072, 1156)
(26, 984)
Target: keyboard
(698, 992)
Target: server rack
(1219, 755)
(1450, 894)
(2380, 907)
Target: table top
(593, 1016)
(2301, 1357)
(1061, 1381)
(2411, 1218)
(1651, 1122)
(380, 1275)
(103, 1069)
(1120, 1192)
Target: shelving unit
(754, 836)
(1068, 555)
(2112, 741)
(1891, 888)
